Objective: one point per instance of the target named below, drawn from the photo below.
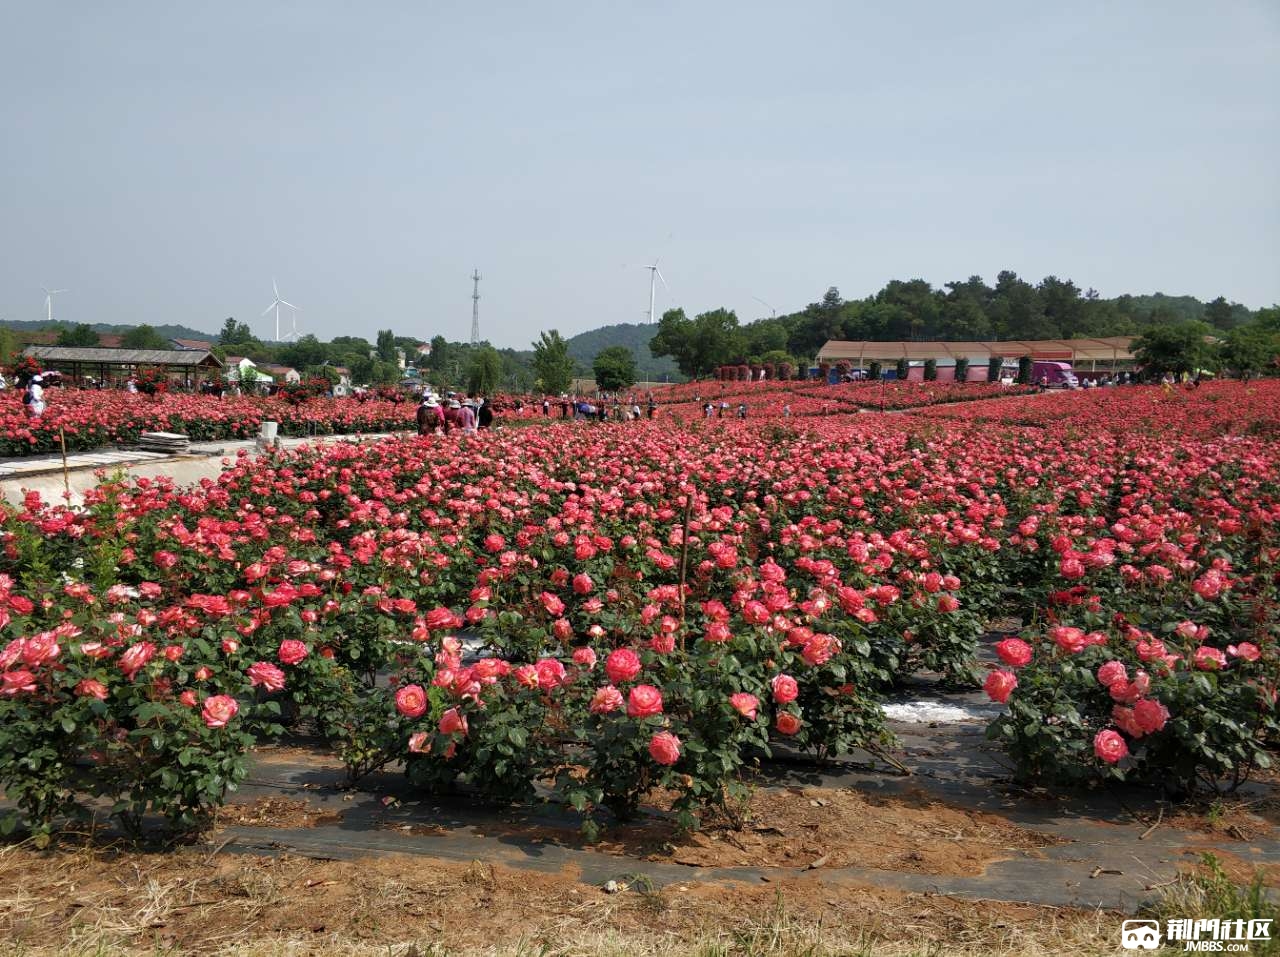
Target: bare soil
(275, 812)
(813, 828)
(191, 901)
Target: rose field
(675, 653)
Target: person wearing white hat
(34, 397)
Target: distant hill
(168, 332)
(585, 346)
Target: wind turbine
(654, 274)
(48, 302)
(276, 304)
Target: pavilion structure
(188, 367)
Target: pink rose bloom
(606, 700)
(717, 631)
(1109, 746)
(453, 722)
(1111, 672)
(17, 682)
(584, 658)
(645, 701)
(1126, 721)
(787, 723)
(1000, 684)
(1190, 631)
(441, 619)
(1069, 639)
(562, 628)
(411, 701)
(664, 747)
(1014, 652)
(582, 584)
(623, 664)
(948, 603)
(1125, 692)
(135, 658)
(1209, 585)
(230, 646)
(1209, 659)
(90, 688)
(550, 673)
(820, 649)
(745, 704)
(188, 698)
(40, 650)
(1150, 715)
(291, 651)
(663, 643)
(785, 689)
(218, 710)
(266, 674)
(418, 743)
(552, 603)
(1246, 650)
(527, 675)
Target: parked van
(1058, 375)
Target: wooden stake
(66, 473)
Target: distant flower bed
(91, 420)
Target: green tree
(8, 345)
(307, 351)
(552, 363)
(1248, 350)
(615, 369)
(1178, 347)
(235, 333)
(1219, 313)
(143, 337)
(386, 345)
(80, 335)
(484, 370)
(441, 354)
(700, 344)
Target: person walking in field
(33, 398)
(453, 416)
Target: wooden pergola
(193, 366)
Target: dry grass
(93, 901)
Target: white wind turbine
(655, 274)
(48, 302)
(276, 303)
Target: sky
(163, 162)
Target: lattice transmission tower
(475, 308)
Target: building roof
(199, 345)
(277, 369)
(140, 357)
(1075, 350)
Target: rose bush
(648, 605)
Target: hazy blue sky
(163, 161)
